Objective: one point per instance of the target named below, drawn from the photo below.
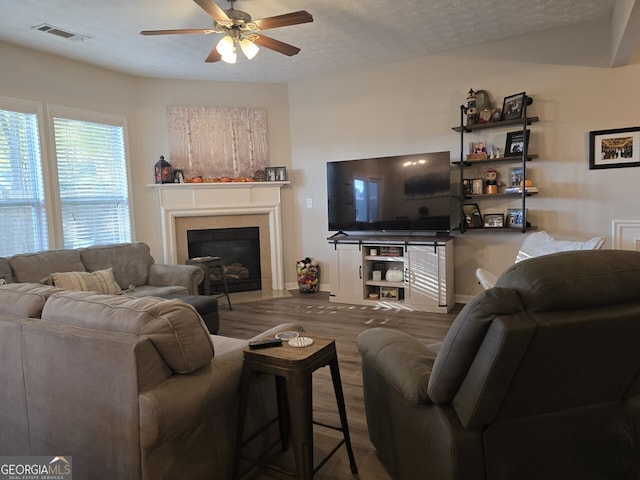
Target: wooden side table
(293, 368)
(208, 264)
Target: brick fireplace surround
(189, 206)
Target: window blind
(22, 205)
(92, 177)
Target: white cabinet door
(346, 272)
(427, 272)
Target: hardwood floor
(343, 322)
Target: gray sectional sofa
(128, 387)
(132, 265)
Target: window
(90, 200)
(92, 180)
(366, 195)
(22, 203)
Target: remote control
(266, 343)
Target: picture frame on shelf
(512, 106)
(478, 147)
(281, 174)
(276, 174)
(516, 175)
(515, 144)
(472, 215)
(494, 220)
(477, 186)
(477, 151)
(389, 293)
(387, 251)
(467, 188)
(515, 217)
(270, 173)
(614, 148)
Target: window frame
(53, 111)
(45, 114)
(36, 108)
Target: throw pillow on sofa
(101, 281)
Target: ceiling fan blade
(276, 45)
(212, 9)
(214, 56)
(172, 32)
(293, 18)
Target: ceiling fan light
(230, 57)
(249, 48)
(225, 46)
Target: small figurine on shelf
(491, 181)
(485, 110)
(479, 147)
(472, 111)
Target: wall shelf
(498, 124)
(505, 159)
(522, 159)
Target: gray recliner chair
(537, 378)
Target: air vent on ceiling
(59, 32)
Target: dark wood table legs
(293, 368)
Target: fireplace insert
(240, 250)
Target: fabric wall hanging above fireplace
(215, 142)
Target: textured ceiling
(344, 35)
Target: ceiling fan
(240, 29)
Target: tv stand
(418, 260)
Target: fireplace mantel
(220, 199)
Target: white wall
(152, 99)
(411, 106)
(36, 76)
(407, 107)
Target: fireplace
(187, 206)
(240, 250)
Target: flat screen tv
(397, 194)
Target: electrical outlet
(309, 203)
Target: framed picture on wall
(614, 148)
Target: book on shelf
(519, 190)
